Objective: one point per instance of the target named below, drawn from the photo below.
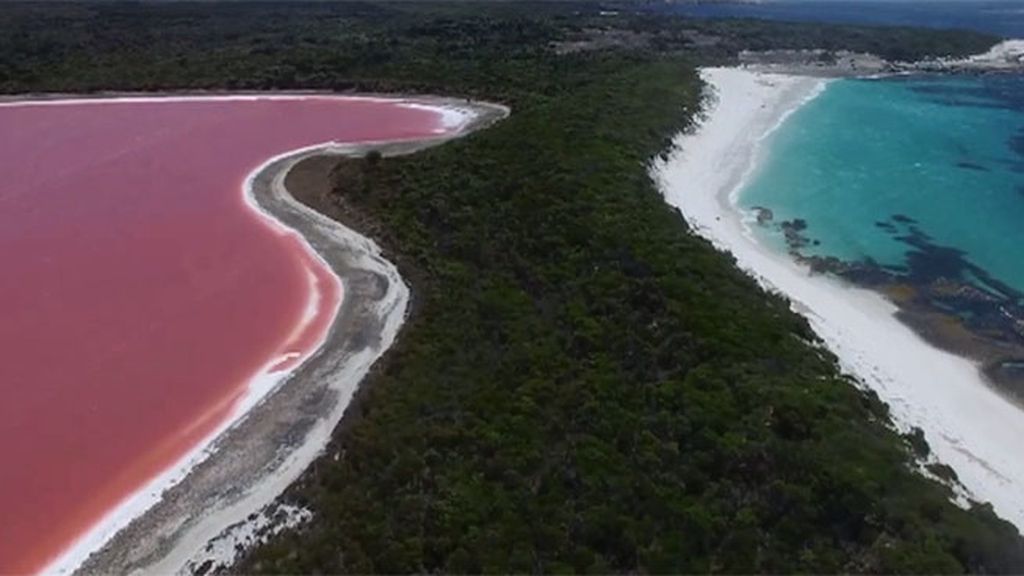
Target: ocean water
(885, 169)
(1004, 18)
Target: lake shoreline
(234, 478)
(968, 425)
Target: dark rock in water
(1016, 143)
(796, 225)
(825, 264)
(1017, 324)
(1016, 364)
(764, 215)
(1009, 370)
(949, 289)
(917, 237)
(868, 274)
(972, 166)
(928, 263)
(949, 300)
(888, 227)
(792, 230)
(864, 273)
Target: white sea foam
(453, 117)
(968, 425)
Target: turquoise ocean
(922, 175)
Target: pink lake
(140, 294)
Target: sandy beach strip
(968, 425)
(227, 485)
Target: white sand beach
(968, 425)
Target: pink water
(139, 293)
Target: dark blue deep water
(1003, 18)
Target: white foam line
(453, 117)
(392, 307)
(968, 425)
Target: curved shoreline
(263, 383)
(281, 424)
(967, 424)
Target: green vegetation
(896, 44)
(455, 47)
(584, 385)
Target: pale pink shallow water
(140, 294)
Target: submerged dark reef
(953, 303)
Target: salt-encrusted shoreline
(968, 425)
(282, 425)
